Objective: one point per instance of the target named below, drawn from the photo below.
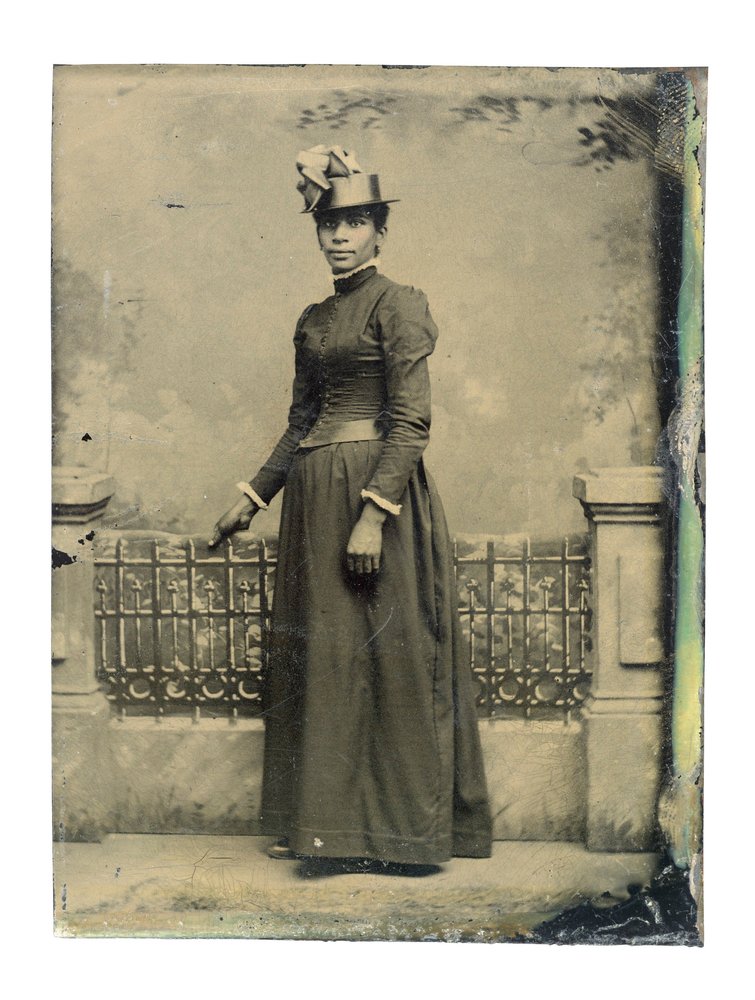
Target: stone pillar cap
(642, 484)
(76, 486)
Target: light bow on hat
(317, 166)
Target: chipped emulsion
(61, 558)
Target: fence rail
(182, 632)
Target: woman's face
(348, 238)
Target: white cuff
(392, 508)
(246, 488)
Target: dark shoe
(280, 850)
(325, 867)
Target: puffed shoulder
(298, 333)
(404, 311)
(403, 296)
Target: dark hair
(377, 213)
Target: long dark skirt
(371, 744)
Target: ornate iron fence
(526, 622)
(181, 629)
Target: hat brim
(343, 208)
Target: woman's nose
(340, 233)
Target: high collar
(353, 279)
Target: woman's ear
(380, 236)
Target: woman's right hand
(238, 518)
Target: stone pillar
(623, 723)
(80, 709)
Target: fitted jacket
(361, 355)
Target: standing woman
(372, 749)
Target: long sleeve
(271, 477)
(408, 336)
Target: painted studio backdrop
(528, 216)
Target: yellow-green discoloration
(688, 675)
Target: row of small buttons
(323, 344)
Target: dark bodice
(339, 348)
(360, 354)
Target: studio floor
(137, 885)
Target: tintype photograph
(378, 498)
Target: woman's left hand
(238, 518)
(366, 541)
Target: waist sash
(344, 430)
